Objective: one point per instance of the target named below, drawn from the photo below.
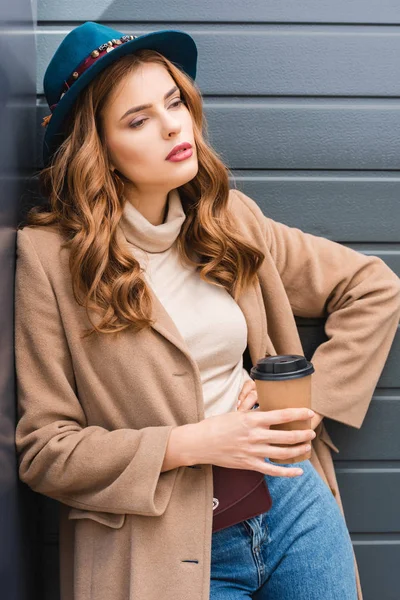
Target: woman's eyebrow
(143, 106)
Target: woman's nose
(172, 125)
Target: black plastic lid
(283, 366)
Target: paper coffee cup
(284, 381)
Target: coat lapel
(250, 302)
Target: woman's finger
(249, 401)
(248, 386)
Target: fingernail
(311, 413)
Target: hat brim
(178, 46)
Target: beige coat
(96, 414)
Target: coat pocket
(109, 519)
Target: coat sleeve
(359, 296)
(60, 456)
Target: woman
(140, 286)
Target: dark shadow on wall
(17, 126)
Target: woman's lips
(178, 147)
(182, 155)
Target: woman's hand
(248, 398)
(243, 441)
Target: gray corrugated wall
(303, 103)
(17, 96)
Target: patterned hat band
(85, 64)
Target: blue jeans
(299, 550)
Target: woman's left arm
(359, 295)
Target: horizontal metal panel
(313, 11)
(18, 123)
(371, 498)
(389, 253)
(314, 335)
(378, 438)
(327, 204)
(378, 563)
(300, 134)
(255, 60)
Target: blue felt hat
(87, 50)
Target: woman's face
(139, 142)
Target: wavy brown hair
(85, 200)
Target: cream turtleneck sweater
(208, 318)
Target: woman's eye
(137, 124)
(179, 101)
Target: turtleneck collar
(153, 238)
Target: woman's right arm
(240, 440)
